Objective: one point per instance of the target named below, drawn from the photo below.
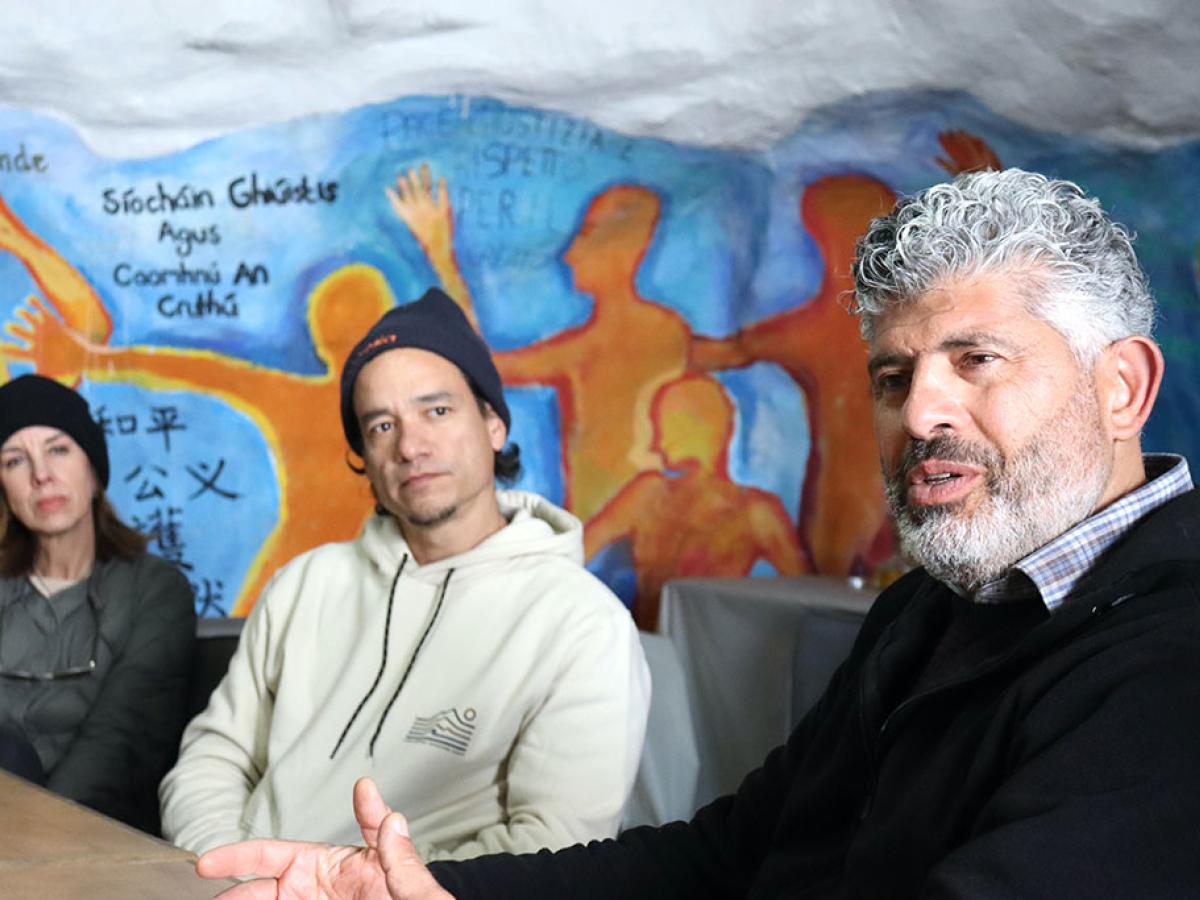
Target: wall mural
(669, 321)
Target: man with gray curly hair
(1018, 716)
(989, 455)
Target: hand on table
(387, 867)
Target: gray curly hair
(1076, 266)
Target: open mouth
(937, 482)
(942, 478)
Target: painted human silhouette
(60, 283)
(694, 520)
(321, 500)
(605, 370)
(843, 519)
(817, 343)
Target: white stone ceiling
(143, 77)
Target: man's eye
(12, 462)
(439, 411)
(60, 449)
(890, 382)
(379, 427)
(979, 359)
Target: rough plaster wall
(141, 77)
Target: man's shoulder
(561, 582)
(314, 572)
(1179, 512)
(332, 556)
(544, 580)
(1168, 536)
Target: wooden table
(53, 849)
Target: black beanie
(434, 323)
(35, 400)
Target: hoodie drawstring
(403, 678)
(387, 626)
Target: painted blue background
(728, 251)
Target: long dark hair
(113, 538)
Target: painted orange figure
(696, 520)
(321, 500)
(606, 370)
(61, 284)
(842, 510)
(842, 516)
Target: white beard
(1045, 488)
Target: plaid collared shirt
(1053, 570)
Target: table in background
(53, 849)
(756, 653)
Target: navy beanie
(35, 400)
(434, 323)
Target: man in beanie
(457, 651)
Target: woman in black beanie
(96, 635)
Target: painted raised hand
(55, 349)
(425, 209)
(966, 152)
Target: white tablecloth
(756, 652)
(665, 788)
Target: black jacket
(1065, 765)
(107, 738)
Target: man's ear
(1129, 373)
(495, 426)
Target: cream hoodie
(518, 725)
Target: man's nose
(933, 405)
(413, 442)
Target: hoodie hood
(536, 527)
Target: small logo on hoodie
(449, 729)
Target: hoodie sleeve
(224, 748)
(573, 763)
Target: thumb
(369, 809)
(405, 872)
